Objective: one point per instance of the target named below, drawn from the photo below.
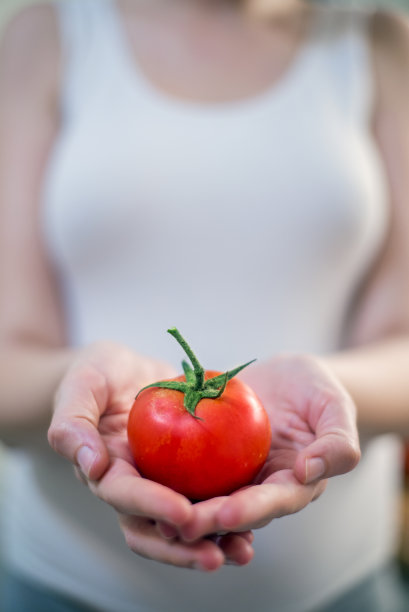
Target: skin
(86, 391)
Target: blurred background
(8, 7)
(392, 600)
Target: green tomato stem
(196, 388)
(197, 368)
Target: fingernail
(314, 469)
(85, 459)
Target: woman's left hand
(315, 436)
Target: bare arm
(376, 368)
(32, 353)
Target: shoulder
(30, 47)
(389, 36)
(338, 22)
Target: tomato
(202, 445)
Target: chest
(255, 181)
(213, 56)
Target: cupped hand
(89, 428)
(314, 437)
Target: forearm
(377, 377)
(29, 377)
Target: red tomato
(212, 452)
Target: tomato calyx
(195, 387)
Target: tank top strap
(346, 43)
(91, 39)
(80, 29)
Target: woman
(190, 163)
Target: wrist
(30, 376)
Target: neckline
(276, 89)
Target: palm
(291, 432)
(125, 374)
(113, 431)
(293, 391)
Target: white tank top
(249, 225)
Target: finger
(336, 448)
(80, 476)
(331, 455)
(123, 489)
(246, 535)
(73, 432)
(320, 487)
(236, 549)
(203, 523)
(256, 506)
(143, 538)
(204, 520)
(167, 531)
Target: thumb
(332, 454)
(73, 432)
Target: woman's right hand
(89, 428)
